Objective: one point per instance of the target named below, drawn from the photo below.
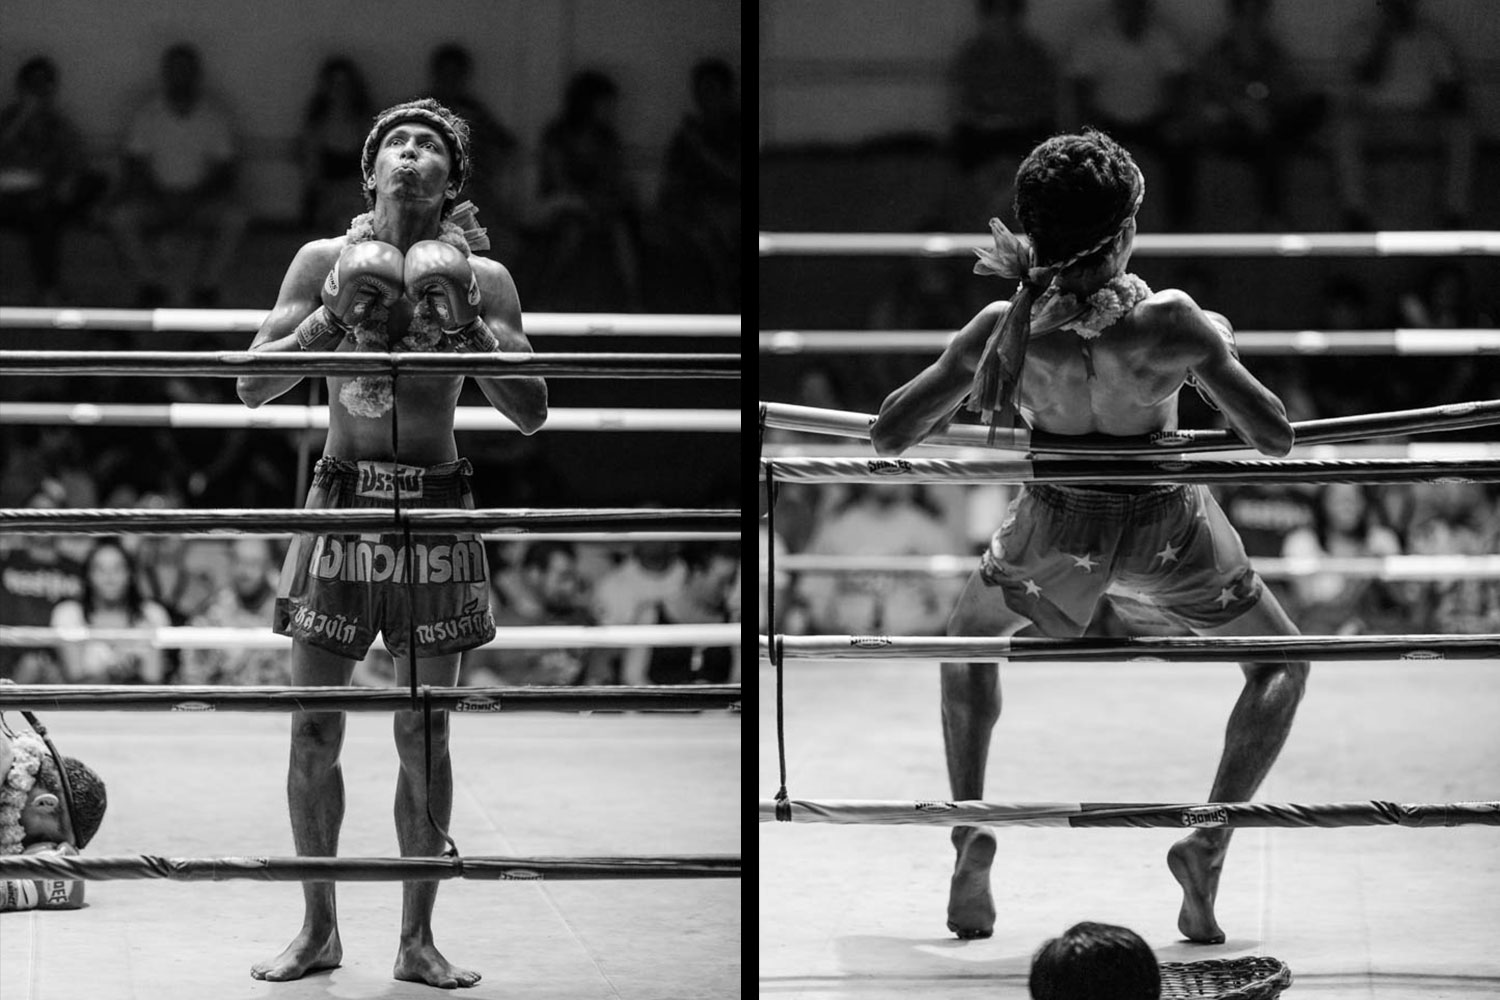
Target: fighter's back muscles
(1251, 409)
(298, 298)
(928, 401)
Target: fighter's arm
(929, 401)
(1251, 409)
(297, 300)
(523, 400)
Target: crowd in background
(584, 240)
(145, 581)
(1239, 95)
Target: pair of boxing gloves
(42, 893)
(370, 276)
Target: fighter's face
(412, 164)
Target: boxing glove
(42, 894)
(440, 276)
(359, 291)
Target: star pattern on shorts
(1084, 562)
(1225, 597)
(1032, 590)
(1168, 553)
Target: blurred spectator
(1252, 106)
(699, 199)
(34, 576)
(111, 599)
(1129, 78)
(247, 602)
(703, 598)
(495, 179)
(625, 595)
(1407, 86)
(1345, 523)
(179, 174)
(333, 136)
(1454, 519)
(175, 572)
(1443, 300)
(926, 294)
(43, 182)
(587, 255)
(1003, 99)
(1265, 515)
(1092, 961)
(887, 520)
(547, 591)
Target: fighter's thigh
(981, 611)
(315, 667)
(1265, 617)
(439, 671)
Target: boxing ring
(1395, 734)
(563, 797)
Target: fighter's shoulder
(494, 278)
(312, 262)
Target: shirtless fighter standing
(1085, 348)
(402, 278)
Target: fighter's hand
(364, 284)
(440, 276)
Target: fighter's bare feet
(422, 963)
(971, 907)
(1196, 864)
(310, 951)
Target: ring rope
(1384, 244)
(1420, 450)
(1093, 814)
(1404, 567)
(210, 698)
(657, 866)
(234, 364)
(948, 470)
(506, 637)
(1177, 649)
(251, 320)
(1411, 342)
(30, 520)
(601, 537)
(1327, 430)
(282, 417)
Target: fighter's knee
(412, 738)
(317, 735)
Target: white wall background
(844, 70)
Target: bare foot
(1196, 865)
(309, 951)
(422, 963)
(971, 908)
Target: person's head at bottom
(1092, 961)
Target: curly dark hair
(1073, 191)
(89, 800)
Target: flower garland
(28, 753)
(1105, 307)
(371, 395)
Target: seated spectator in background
(43, 183)
(1454, 519)
(1345, 523)
(110, 599)
(179, 173)
(587, 256)
(1407, 85)
(247, 602)
(174, 571)
(703, 598)
(546, 592)
(1002, 100)
(1252, 106)
(1443, 300)
(699, 198)
(652, 571)
(333, 137)
(893, 519)
(1129, 78)
(35, 575)
(495, 178)
(1092, 961)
